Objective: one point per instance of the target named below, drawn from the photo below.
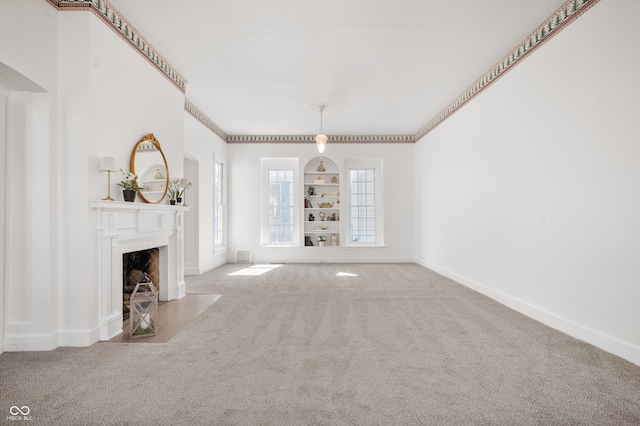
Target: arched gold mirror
(150, 165)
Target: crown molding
(123, 28)
(562, 17)
(202, 117)
(312, 139)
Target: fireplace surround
(131, 227)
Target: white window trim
(267, 164)
(220, 249)
(366, 163)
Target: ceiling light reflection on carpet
(256, 270)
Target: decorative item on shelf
(312, 218)
(321, 228)
(331, 194)
(319, 181)
(334, 179)
(173, 191)
(129, 185)
(311, 191)
(321, 240)
(325, 205)
(333, 218)
(108, 164)
(322, 216)
(334, 240)
(143, 309)
(308, 242)
(184, 184)
(321, 167)
(321, 138)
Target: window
(219, 202)
(365, 202)
(280, 206)
(362, 206)
(280, 221)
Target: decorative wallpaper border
(312, 139)
(567, 13)
(116, 21)
(202, 117)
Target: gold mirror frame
(152, 171)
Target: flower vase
(179, 200)
(321, 243)
(172, 202)
(129, 195)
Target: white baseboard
(81, 338)
(603, 341)
(208, 266)
(323, 259)
(193, 271)
(33, 342)
(111, 327)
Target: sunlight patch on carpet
(346, 274)
(256, 270)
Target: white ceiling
(381, 67)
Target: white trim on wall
(551, 319)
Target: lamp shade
(108, 164)
(321, 141)
(183, 182)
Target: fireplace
(134, 266)
(130, 228)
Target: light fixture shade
(183, 182)
(108, 164)
(321, 141)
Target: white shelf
(332, 179)
(321, 184)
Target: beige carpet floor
(332, 344)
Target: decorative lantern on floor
(143, 314)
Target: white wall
(30, 280)
(99, 97)
(201, 145)
(124, 99)
(398, 190)
(531, 193)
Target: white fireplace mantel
(124, 227)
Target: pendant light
(321, 138)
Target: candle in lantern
(145, 321)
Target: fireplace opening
(134, 266)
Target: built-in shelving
(322, 210)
